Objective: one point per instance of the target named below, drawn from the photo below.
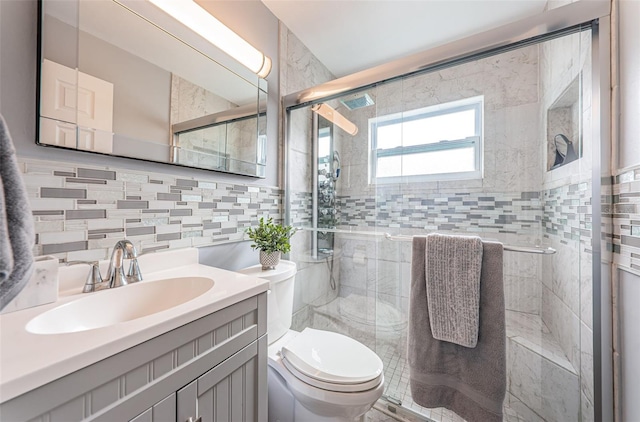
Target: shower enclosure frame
(597, 15)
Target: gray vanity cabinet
(214, 368)
(227, 392)
(163, 411)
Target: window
(441, 142)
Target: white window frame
(473, 103)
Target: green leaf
(270, 237)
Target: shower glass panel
(474, 149)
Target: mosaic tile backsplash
(506, 212)
(80, 211)
(301, 208)
(567, 213)
(626, 219)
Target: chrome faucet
(124, 249)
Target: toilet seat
(332, 361)
(329, 386)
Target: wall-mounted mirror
(122, 78)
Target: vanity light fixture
(192, 15)
(336, 118)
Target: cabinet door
(229, 392)
(163, 411)
(187, 403)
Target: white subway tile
(62, 237)
(41, 204)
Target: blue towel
(17, 232)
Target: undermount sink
(114, 306)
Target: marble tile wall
(509, 85)
(300, 69)
(566, 296)
(566, 280)
(81, 211)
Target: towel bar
(400, 238)
(511, 248)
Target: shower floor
(361, 318)
(396, 375)
(522, 330)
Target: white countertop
(29, 360)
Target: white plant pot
(269, 260)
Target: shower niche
(564, 134)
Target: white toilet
(314, 375)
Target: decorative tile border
(301, 208)
(514, 213)
(626, 219)
(81, 212)
(567, 213)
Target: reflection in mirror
(223, 141)
(112, 82)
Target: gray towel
(17, 233)
(453, 287)
(470, 382)
(6, 254)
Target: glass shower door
(510, 180)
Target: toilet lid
(283, 271)
(332, 358)
(330, 386)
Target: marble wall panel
(560, 393)
(567, 291)
(509, 83)
(523, 376)
(300, 69)
(522, 294)
(542, 388)
(564, 324)
(586, 363)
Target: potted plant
(272, 240)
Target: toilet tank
(279, 297)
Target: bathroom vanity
(200, 360)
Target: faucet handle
(94, 280)
(134, 275)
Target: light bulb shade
(336, 118)
(204, 24)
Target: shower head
(356, 101)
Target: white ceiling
(353, 35)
